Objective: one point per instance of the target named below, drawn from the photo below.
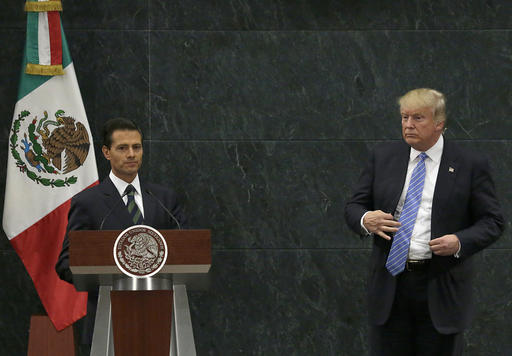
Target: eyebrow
(127, 144)
(413, 114)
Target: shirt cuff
(364, 231)
(457, 254)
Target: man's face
(419, 129)
(125, 154)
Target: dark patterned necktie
(133, 209)
(400, 247)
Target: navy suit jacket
(464, 204)
(91, 206)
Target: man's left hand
(446, 245)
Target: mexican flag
(50, 159)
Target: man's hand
(446, 245)
(380, 223)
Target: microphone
(163, 207)
(112, 209)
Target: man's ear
(440, 126)
(106, 152)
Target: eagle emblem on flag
(45, 147)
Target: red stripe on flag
(39, 247)
(55, 37)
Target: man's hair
(118, 124)
(426, 98)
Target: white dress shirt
(121, 187)
(421, 234)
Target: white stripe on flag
(25, 201)
(43, 36)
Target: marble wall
(260, 114)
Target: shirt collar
(121, 184)
(434, 153)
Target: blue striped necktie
(400, 247)
(133, 209)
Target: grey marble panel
(112, 72)
(274, 302)
(18, 301)
(99, 14)
(312, 302)
(264, 194)
(329, 14)
(92, 14)
(279, 194)
(10, 69)
(324, 85)
(491, 330)
(13, 15)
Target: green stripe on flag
(30, 82)
(32, 46)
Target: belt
(417, 265)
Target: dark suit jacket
(91, 206)
(464, 204)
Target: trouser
(409, 330)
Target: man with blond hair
(428, 205)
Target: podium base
(181, 333)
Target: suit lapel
(397, 174)
(448, 169)
(115, 204)
(149, 206)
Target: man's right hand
(380, 223)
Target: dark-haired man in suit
(429, 206)
(121, 200)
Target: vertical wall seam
(148, 32)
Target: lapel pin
(451, 170)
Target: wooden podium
(141, 316)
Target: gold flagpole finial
(43, 6)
